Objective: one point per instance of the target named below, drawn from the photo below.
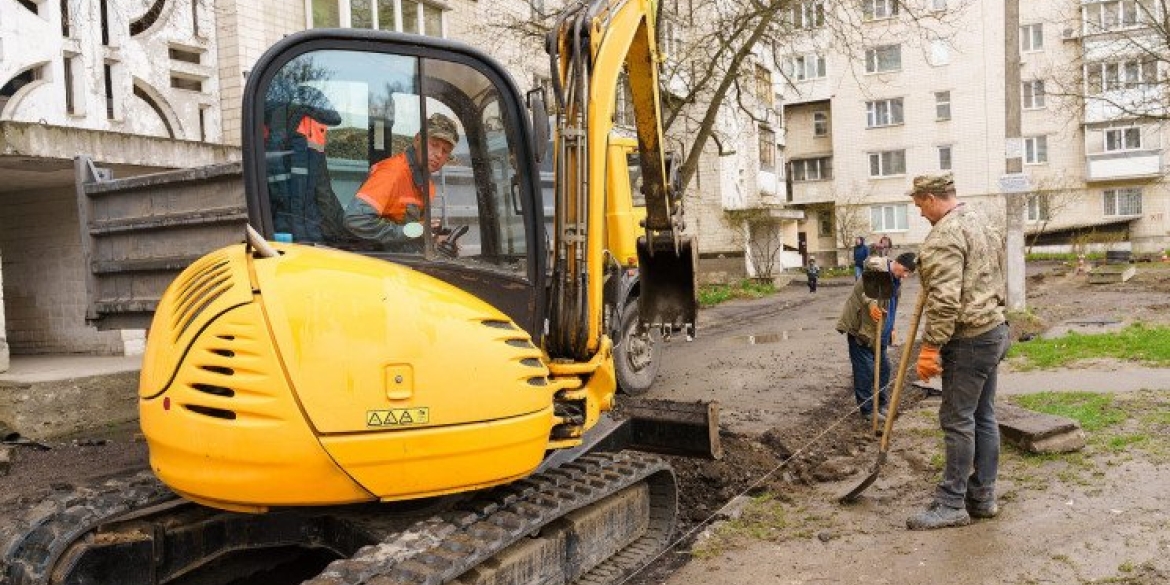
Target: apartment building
(913, 89)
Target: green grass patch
(1093, 411)
(712, 295)
(1138, 343)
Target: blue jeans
(861, 356)
(967, 417)
(856, 272)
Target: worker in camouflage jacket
(965, 337)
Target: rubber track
(440, 549)
(433, 551)
(30, 546)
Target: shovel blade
(855, 493)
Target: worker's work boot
(938, 516)
(987, 509)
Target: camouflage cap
(943, 184)
(442, 127)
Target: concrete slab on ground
(50, 396)
(1037, 432)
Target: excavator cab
(474, 221)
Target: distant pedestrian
(965, 337)
(814, 272)
(884, 246)
(858, 322)
(860, 253)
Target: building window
(1035, 150)
(764, 91)
(888, 218)
(1123, 139)
(944, 158)
(883, 113)
(1032, 37)
(879, 9)
(1113, 15)
(108, 71)
(1033, 94)
(940, 53)
(1126, 201)
(825, 223)
(411, 16)
(1102, 77)
(808, 14)
(1037, 208)
(820, 123)
(767, 148)
(623, 112)
(811, 169)
(883, 59)
(942, 105)
(672, 41)
(70, 85)
(804, 67)
(887, 163)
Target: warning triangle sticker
(374, 420)
(389, 419)
(405, 418)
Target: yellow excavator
(424, 404)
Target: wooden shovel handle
(903, 365)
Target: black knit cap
(907, 260)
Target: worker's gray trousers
(967, 417)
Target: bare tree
(710, 47)
(761, 238)
(1119, 69)
(850, 218)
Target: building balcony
(1115, 166)
(806, 192)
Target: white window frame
(811, 169)
(942, 105)
(940, 53)
(874, 57)
(809, 14)
(1104, 76)
(889, 218)
(1116, 201)
(1032, 37)
(345, 15)
(1122, 138)
(879, 9)
(820, 123)
(886, 162)
(767, 147)
(946, 159)
(804, 67)
(1032, 94)
(1037, 206)
(1036, 150)
(882, 113)
(1111, 15)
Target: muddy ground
(793, 443)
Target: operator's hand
(893, 337)
(875, 311)
(929, 363)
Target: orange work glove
(875, 312)
(929, 363)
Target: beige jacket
(961, 264)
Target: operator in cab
(388, 207)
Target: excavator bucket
(669, 297)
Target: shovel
(899, 382)
(875, 399)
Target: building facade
(922, 90)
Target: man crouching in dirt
(961, 268)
